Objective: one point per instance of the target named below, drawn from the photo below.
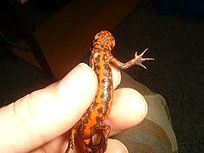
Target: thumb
(47, 113)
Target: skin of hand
(39, 121)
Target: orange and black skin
(91, 127)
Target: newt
(91, 127)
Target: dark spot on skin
(97, 67)
(107, 66)
(107, 99)
(107, 73)
(102, 95)
(82, 127)
(98, 119)
(94, 105)
(97, 58)
(100, 110)
(88, 114)
(105, 80)
(103, 45)
(85, 120)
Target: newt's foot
(71, 141)
(139, 59)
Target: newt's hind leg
(71, 140)
(104, 131)
(98, 142)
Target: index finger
(129, 109)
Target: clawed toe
(139, 58)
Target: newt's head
(104, 39)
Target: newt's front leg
(135, 61)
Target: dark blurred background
(174, 32)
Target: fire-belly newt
(91, 129)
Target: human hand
(39, 121)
